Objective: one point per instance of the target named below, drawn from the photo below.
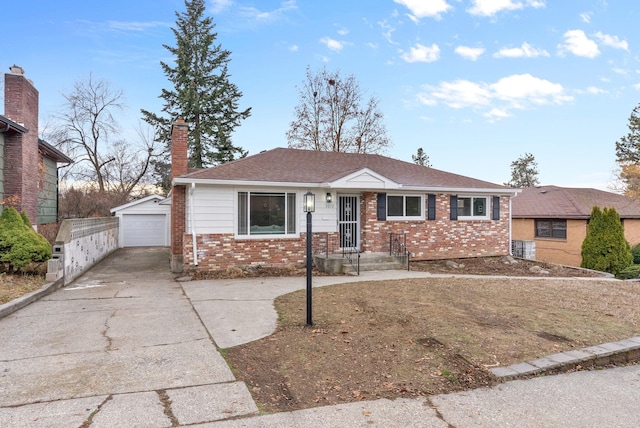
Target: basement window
(551, 229)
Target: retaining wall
(80, 244)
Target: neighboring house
(249, 211)
(556, 219)
(28, 165)
(144, 222)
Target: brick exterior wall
(441, 238)
(428, 240)
(222, 251)
(21, 155)
(179, 165)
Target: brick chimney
(179, 166)
(21, 150)
(179, 138)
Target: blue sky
(475, 83)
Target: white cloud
(293, 48)
(495, 100)
(497, 114)
(586, 17)
(218, 6)
(577, 43)
(135, 25)
(526, 51)
(425, 8)
(594, 90)
(387, 31)
(468, 52)
(421, 53)
(334, 45)
(636, 86)
(459, 94)
(268, 16)
(527, 89)
(492, 7)
(612, 41)
(343, 31)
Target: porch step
(335, 263)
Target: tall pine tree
(202, 94)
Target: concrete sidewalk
(126, 345)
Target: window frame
(487, 207)
(550, 228)
(290, 198)
(404, 207)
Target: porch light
(309, 202)
(328, 197)
(309, 205)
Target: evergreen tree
(421, 158)
(605, 248)
(524, 172)
(202, 94)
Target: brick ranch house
(249, 211)
(28, 165)
(556, 219)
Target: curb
(19, 303)
(623, 351)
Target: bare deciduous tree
(88, 132)
(332, 117)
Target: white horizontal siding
(215, 209)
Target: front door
(348, 221)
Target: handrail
(398, 248)
(349, 255)
(327, 244)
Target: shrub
(605, 247)
(630, 272)
(635, 251)
(20, 245)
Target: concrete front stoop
(338, 264)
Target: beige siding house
(556, 219)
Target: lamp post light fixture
(309, 205)
(328, 197)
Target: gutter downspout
(193, 224)
(511, 223)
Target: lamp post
(309, 205)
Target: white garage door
(144, 230)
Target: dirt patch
(504, 266)
(419, 337)
(14, 286)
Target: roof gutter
(11, 125)
(183, 181)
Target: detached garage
(144, 222)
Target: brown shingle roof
(569, 203)
(309, 166)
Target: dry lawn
(14, 286)
(425, 336)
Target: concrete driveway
(121, 346)
(126, 345)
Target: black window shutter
(454, 207)
(496, 208)
(431, 207)
(382, 206)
